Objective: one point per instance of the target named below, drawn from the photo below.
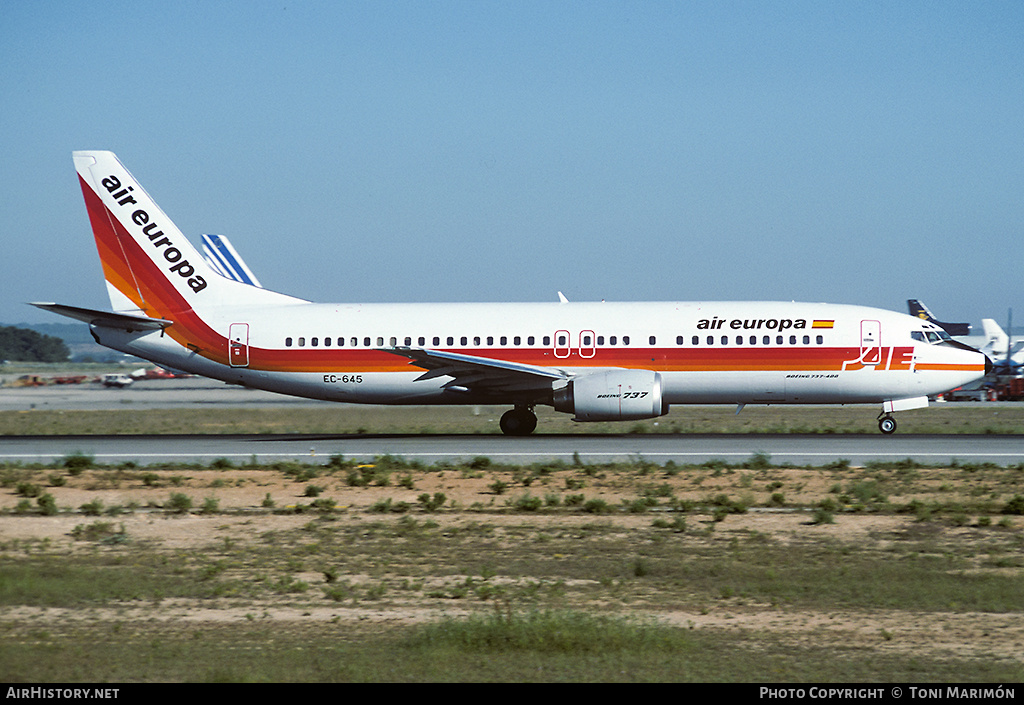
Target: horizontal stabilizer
(121, 321)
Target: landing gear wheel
(887, 425)
(518, 422)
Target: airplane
(599, 361)
(918, 309)
(222, 257)
(1005, 352)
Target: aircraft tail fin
(150, 267)
(224, 259)
(919, 310)
(996, 340)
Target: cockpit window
(932, 337)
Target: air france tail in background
(225, 260)
(596, 361)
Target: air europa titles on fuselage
(779, 324)
(179, 265)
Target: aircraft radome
(597, 361)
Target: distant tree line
(25, 345)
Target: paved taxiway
(145, 450)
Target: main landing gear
(886, 423)
(520, 421)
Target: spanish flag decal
(822, 324)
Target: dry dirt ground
(240, 495)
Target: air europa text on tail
(179, 265)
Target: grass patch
(549, 632)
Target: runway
(813, 450)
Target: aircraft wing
(479, 375)
(122, 321)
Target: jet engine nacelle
(612, 395)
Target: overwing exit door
(238, 345)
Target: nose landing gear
(886, 423)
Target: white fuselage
(707, 352)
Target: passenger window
(600, 340)
(463, 341)
(725, 340)
(503, 340)
(807, 340)
(476, 340)
(652, 340)
(820, 340)
(530, 340)
(546, 340)
(711, 340)
(753, 340)
(451, 340)
(380, 341)
(302, 342)
(490, 340)
(614, 340)
(287, 342)
(792, 340)
(767, 340)
(679, 340)
(421, 341)
(696, 340)
(561, 341)
(625, 340)
(778, 340)
(437, 341)
(366, 342)
(517, 340)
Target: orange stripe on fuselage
(658, 359)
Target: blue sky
(854, 152)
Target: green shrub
(77, 462)
(528, 503)
(432, 504)
(1015, 505)
(822, 516)
(178, 503)
(596, 506)
(47, 504)
(93, 508)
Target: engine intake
(612, 395)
